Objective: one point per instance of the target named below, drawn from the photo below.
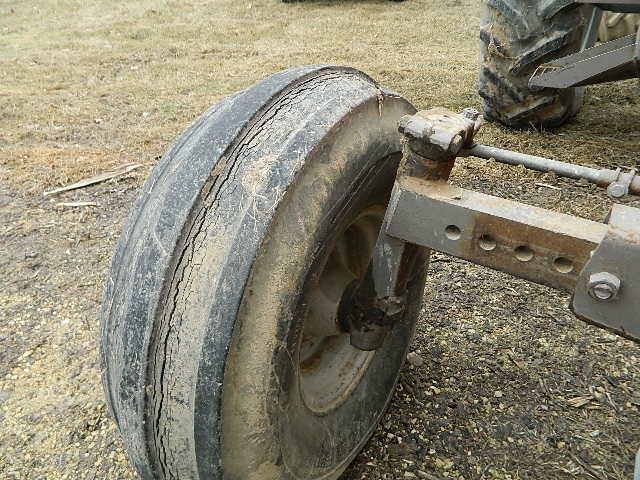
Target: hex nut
(471, 113)
(603, 286)
(617, 190)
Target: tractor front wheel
(223, 358)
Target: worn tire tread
(196, 194)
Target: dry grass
(86, 86)
(36, 168)
(128, 77)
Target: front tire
(228, 272)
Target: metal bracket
(599, 262)
(432, 141)
(622, 183)
(607, 293)
(529, 242)
(607, 62)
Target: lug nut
(603, 286)
(471, 113)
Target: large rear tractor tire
(222, 355)
(516, 37)
(615, 25)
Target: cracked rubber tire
(206, 301)
(516, 37)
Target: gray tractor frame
(610, 61)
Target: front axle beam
(529, 242)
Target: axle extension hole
(452, 232)
(487, 242)
(524, 253)
(563, 265)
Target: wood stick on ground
(124, 169)
(76, 204)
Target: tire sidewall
(282, 438)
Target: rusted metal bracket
(607, 293)
(598, 262)
(447, 134)
(529, 242)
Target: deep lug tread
(490, 101)
(502, 85)
(489, 40)
(531, 58)
(509, 9)
(516, 37)
(541, 104)
(547, 9)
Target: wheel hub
(329, 366)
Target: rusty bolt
(471, 113)
(617, 190)
(603, 286)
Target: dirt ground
(88, 86)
